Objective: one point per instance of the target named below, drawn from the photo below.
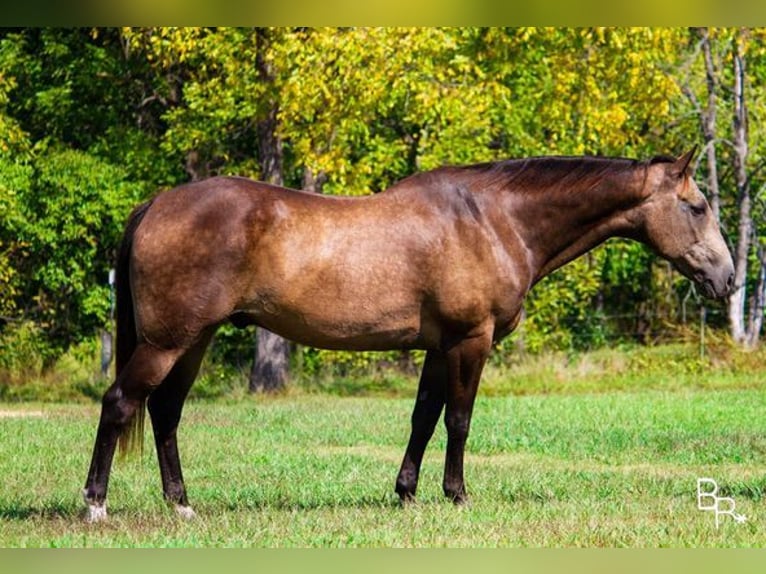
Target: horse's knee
(457, 424)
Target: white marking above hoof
(185, 512)
(96, 513)
(96, 510)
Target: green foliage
(218, 380)
(13, 177)
(24, 353)
(68, 221)
(92, 121)
(627, 367)
(63, 205)
(31, 369)
(345, 363)
(558, 311)
(348, 373)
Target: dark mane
(662, 159)
(547, 171)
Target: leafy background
(94, 120)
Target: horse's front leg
(465, 362)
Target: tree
(728, 84)
(589, 91)
(745, 323)
(93, 121)
(63, 206)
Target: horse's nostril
(730, 282)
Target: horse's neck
(559, 225)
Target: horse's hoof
(462, 501)
(459, 498)
(96, 513)
(185, 512)
(96, 510)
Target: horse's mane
(548, 171)
(537, 174)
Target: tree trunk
(757, 301)
(271, 366)
(738, 296)
(313, 182)
(272, 353)
(708, 126)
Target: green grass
(585, 469)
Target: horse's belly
(348, 334)
(340, 324)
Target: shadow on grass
(44, 512)
(755, 491)
(67, 512)
(256, 503)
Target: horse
(441, 261)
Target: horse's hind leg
(146, 368)
(165, 405)
(428, 407)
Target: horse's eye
(696, 209)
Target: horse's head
(679, 224)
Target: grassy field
(610, 469)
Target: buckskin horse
(441, 261)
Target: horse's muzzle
(716, 285)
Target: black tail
(126, 340)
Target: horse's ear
(681, 165)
